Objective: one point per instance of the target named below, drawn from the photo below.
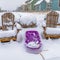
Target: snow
(52, 30)
(17, 16)
(19, 37)
(52, 47)
(55, 58)
(33, 45)
(9, 33)
(49, 46)
(30, 2)
(48, 1)
(10, 23)
(30, 18)
(18, 26)
(37, 3)
(17, 51)
(44, 24)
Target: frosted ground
(16, 50)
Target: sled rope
(42, 54)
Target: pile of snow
(33, 45)
(9, 33)
(18, 26)
(17, 17)
(44, 23)
(19, 37)
(28, 19)
(52, 30)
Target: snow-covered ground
(17, 51)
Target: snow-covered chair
(51, 22)
(8, 31)
(52, 32)
(33, 40)
(28, 20)
(6, 36)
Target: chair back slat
(52, 19)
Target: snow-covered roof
(48, 1)
(30, 2)
(38, 2)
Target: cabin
(30, 4)
(42, 5)
(55, 5)
(46, 5)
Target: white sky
(10, 4)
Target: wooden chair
(51, 21)
(7, 22)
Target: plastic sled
(33, 41)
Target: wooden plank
(8, 39)
(51, 35)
